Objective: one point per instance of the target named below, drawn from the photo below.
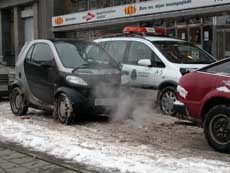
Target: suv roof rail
(123, 35)
(132, 35)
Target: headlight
(182, 92)
(76, 80)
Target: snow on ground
(120, 146)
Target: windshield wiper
(81, 66)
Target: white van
(155, 62)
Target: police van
(152, 60)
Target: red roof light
(144, 30)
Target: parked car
(67, 76)
(204, 97)
(155, 62)
(6, 77)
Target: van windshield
(74, 54)
(183, 52)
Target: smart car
(154, 61)
(65, 76)
(204, 97)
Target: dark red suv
(204, 96)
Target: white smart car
(155, 62)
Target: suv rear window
(183, 52)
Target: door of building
(223, 43)
(28, 29)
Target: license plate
(101, 102)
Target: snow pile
(83, 145)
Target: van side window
(42, 53)
(116, 50)
(138, 51)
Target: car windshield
(183, 52)
(75, 54)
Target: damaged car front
(69, 77)
(94, 81)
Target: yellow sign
(131, 9)
(58, 20)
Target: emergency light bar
(144, 30)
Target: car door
(143, 76)
(41, 71)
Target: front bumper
(180, 108)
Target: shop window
(207, 39)
(194, 20)
(92, 4)
(195, 36)
(181, 21)
(171, 32)
(182, 33)
(82, 5)
(208, 20)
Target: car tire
(64, 109)
(166, 100)
(17, 102)
(217, 128)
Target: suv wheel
(217, 128)
(64, 109)
(167, 98)
(17, 102)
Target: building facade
(205, 23)
(21, 21)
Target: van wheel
(17, 102)
(167, 98)
(217, 128)
(64, 110)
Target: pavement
(12, 161)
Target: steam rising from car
(132, 103)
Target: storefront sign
(143, 8)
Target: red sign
(89, 16)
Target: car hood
(191, 66)
(95, 77)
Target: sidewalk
(15, 162)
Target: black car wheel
(217, 128)
(64, 109)
(167, 98)
(17, 102)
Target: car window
(138, 51)
(29, 53)
(221, 68)
(77, 53)
(183, 52)
(42, 53)
(69, 54)
(116, 49)
(104, 44)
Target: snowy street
(147, 142)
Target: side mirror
(145, 62)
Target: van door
(143, 76)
